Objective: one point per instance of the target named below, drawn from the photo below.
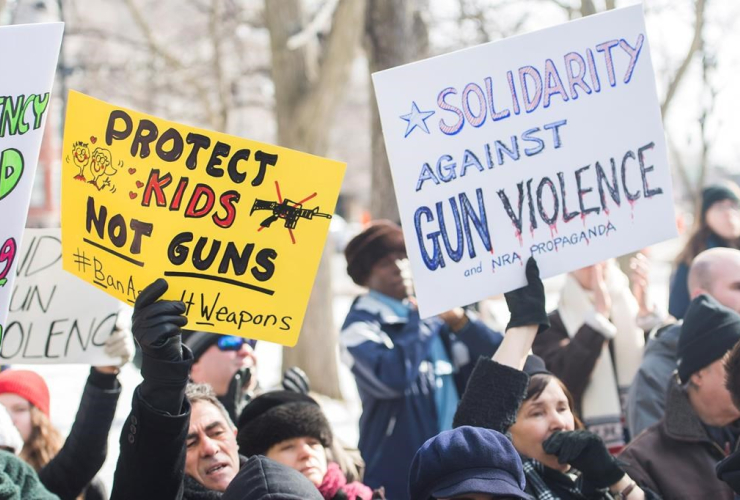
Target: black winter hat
(535, 365)
(276, 416)
(265, 479)
(709, 330)
(715, 193)
(199, 342)
(364, 250)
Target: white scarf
(602, 402)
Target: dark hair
(701, 232)
(697, 242)
(732, 375)
(203, 393)
(537, 384)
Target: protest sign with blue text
(548, 144)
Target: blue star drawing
(416, 119)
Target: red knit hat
(28, 385)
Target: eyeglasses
(234, 343)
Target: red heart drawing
(132, 171)
(132, 195)
(93, 139)
(139, 184)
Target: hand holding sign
(527, 304)
(156, 323)
(120, 345)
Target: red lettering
(201, 190)
(228, 200)
(177, 199)
(155, 185)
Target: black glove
(296, 380)
(586, 452)
(156, 323)
(235, 398)
(728, 470)
(527, 304)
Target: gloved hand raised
(527, 304)
(156, 323)
(586, 452)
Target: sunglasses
(234, 343)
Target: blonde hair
(44, 442)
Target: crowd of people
(605, 397)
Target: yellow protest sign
(236, 227)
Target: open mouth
(215, 469)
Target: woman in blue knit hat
(509, 395)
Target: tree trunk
(309, 82)
(395, 34)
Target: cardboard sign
(53, 316)
(28, 61)
(236, 227)
(548, 144)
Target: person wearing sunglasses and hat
(228, 364)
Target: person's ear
(697, 379)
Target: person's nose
(208, 447)
(304, 451)
(557, 421)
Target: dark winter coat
(646, 396)
(676, 458)
(573, 362)
(72, 470)
(151, 464)
(391, 361)
(679, 296)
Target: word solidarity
(548, 144)
(529, 87)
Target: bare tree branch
(696, 44)
(222, 88)
(316, 110)
(566, 7)
(680, 167)
(321, 23)
(102, 34)
(587, 8)
(156, 48)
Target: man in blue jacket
(409, 372)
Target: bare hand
(639, 276)
(455, 318)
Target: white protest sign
(54, 316)
(548, 144)
(28, 61)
